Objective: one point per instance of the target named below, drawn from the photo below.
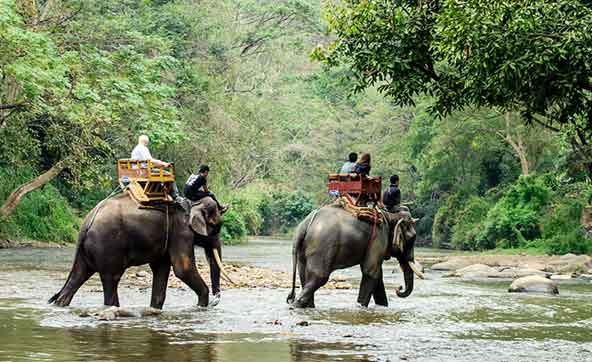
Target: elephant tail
(292, 294)
(78, 275)
(298, 240)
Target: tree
(526, 56)
(71, 105)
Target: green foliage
(229, 83)
(285, 210)
(444, 221)
(42, 215)
(532, 56)
(516, 217)
(244, 217)
(563, 232)
(234, 228)
(469, 223)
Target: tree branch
(541, 123)
(10, 106)
(15, 197)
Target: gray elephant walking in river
(118, 234)
(332, 238)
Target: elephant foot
(291, 297)
(215, 300)
(303, 304)
(203, 301)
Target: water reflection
(23, 339)
(444, 319)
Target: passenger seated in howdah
(348, 167)
(196, 187)
(141, 152)
(363, 166)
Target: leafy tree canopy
(530, 56)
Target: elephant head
(402, 247)
(206, 222)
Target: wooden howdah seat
(145, 182)
(359, 188)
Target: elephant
(118, 234)
(331, 238)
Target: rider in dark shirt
(392, 196)
(196, 187)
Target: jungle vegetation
(483, 108)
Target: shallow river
(443, 320)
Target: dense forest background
(231, 83)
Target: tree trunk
(516, 145)
(15, 197)
(521, 152)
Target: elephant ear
(198, 221)
(203, 214)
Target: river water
(444, 319)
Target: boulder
(147, 312)
(108, 314)
(534, 283)
(113, 313)
(534, 266)
(513, 273)
(141, 274)
(476, 271)
(452, 264)
(570, 263)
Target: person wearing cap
(196, 187)
(392, 195)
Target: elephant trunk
(408, 274)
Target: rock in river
(475, 271)
(534, 283)
(452, 264)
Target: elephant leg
(78, 277)
(379, 294)
(184, 269)
(160, 278)
(110, 282)
(306, 297)
(367, 287)
(302, 272)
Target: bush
(284, 211)
(444, 220)
(468, 224)
(562, 232)
(254, 212)
(426, 212)
(244, 216)
(234, 228)
(515, 219)
(42, 214)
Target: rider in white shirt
(141, 152)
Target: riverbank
(10, 244)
